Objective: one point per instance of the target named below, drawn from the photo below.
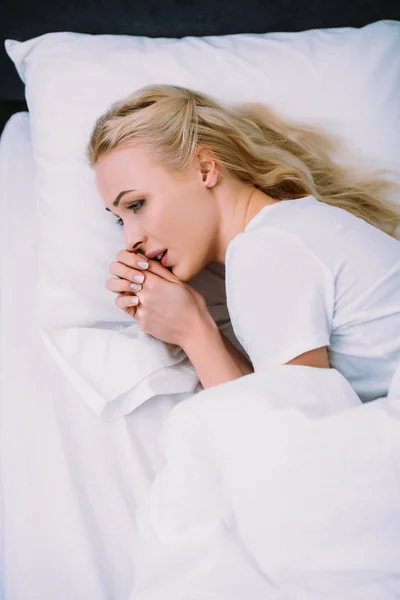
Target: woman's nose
(133, 243)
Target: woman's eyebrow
(118, 198)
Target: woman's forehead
(130, 157)
(134, 167)
(127, 167)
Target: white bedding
(70, 482)
(280, 485)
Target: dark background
(24, 19)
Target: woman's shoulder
(307, 226)
(288, 223)
(269, 247)
(320, 225)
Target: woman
(312, 269)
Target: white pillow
(345, 79)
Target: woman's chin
(180, 272)
(187, 270)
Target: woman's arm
(217, 361)
(313, 358)
(244, 365)
(210, 353)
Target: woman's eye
(135, 206)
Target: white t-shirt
(303, 275)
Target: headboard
(24, 19)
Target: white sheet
(70, 482)
(280, 485)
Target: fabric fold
(115, 371)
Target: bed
(71, 482)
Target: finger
(124, 272)
(126, 302)
(158, 269)
(133, 260)
(123, 285)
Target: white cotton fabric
(280, 485)
(69, 481)
(304, 275)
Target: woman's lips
(155, 253)
(164, 260)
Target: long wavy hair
(283, 159)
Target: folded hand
(164, 306)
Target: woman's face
(160, 210)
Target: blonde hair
(283, 159)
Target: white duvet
(279, 485)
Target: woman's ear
(207, 166)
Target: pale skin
(194, 215)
